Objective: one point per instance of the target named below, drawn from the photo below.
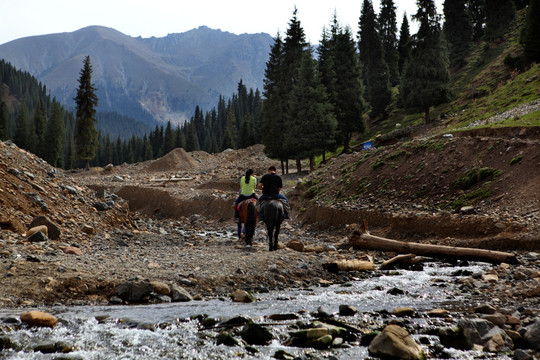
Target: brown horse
(248, 216)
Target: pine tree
(4, 116)
(147, 149)
(475, 8)
(311, 118)
(404, 45)
(530, 38)
(21, 127)
(388, 33)
(86, 135)
(425, 81)
(377, 77)
(192, 141)
(274, 112)
(458, 30)
(180, 139)
(499, 15)
(40, 124)
(168, 139)
(54, 136)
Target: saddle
(242, 209)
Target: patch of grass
(479, 194)
(377, 164)
(475, 176)
(516, 160)
(429, 145)
(421, 164)
(397, 154)
(362, 185)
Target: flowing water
(168, 331)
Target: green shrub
(475, 175)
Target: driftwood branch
(348, 265)
(362, 239)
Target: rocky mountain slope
(164, 77)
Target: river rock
(296, 244)
(395, 342)
(35, 229)
(497, 318)
(87, 229)
(39, 318)
(347, 310)
(485, 309)
(471, 332)
(6, 343)
(242, 296)
(179, 294)
(53, 229)
(532, 335)
(306, 337)
(227, 339)
(402, 311)
(134, 291)
(256, 334)
(161, 288)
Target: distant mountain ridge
(146, 78)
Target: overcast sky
(146, 18)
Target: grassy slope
(500, 88)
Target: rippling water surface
(166, 331)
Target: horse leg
(276, 234)
(239, 230)
(270, 231)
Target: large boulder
(395, 342)
(39, 319)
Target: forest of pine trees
(311, 103)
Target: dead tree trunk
(362, 239)
(349, 265)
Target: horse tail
(250, 221)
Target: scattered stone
(242, 296)
(226, 339)
(485, 309)
(395, 342)
(347, 310)
(134, 291)
(179, 294)
(438, 313)
(403, 311)
(296, 245)
(72, 250)
(161, 288)
(53, 229)
(532, 335)
(87, 229)
(256, 334)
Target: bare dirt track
(170, 219)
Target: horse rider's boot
(287, 210)
(236, 216)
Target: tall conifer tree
(54, 136)
(499, 15)
(425, 81)
(311, 118)
(475, 8)
(4, 115)
(458, 30)
(404, 45)
(388, 33)
(21, 127)
(377, 76)
(530, 36)
(86, 136)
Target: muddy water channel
(216, 328)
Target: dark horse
(273, 216)
(248, 216)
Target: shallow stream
(169, 331)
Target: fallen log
(348, 265)
(362, 239)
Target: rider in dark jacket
(271, 185)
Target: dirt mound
(177, 159)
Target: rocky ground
(169, 220)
